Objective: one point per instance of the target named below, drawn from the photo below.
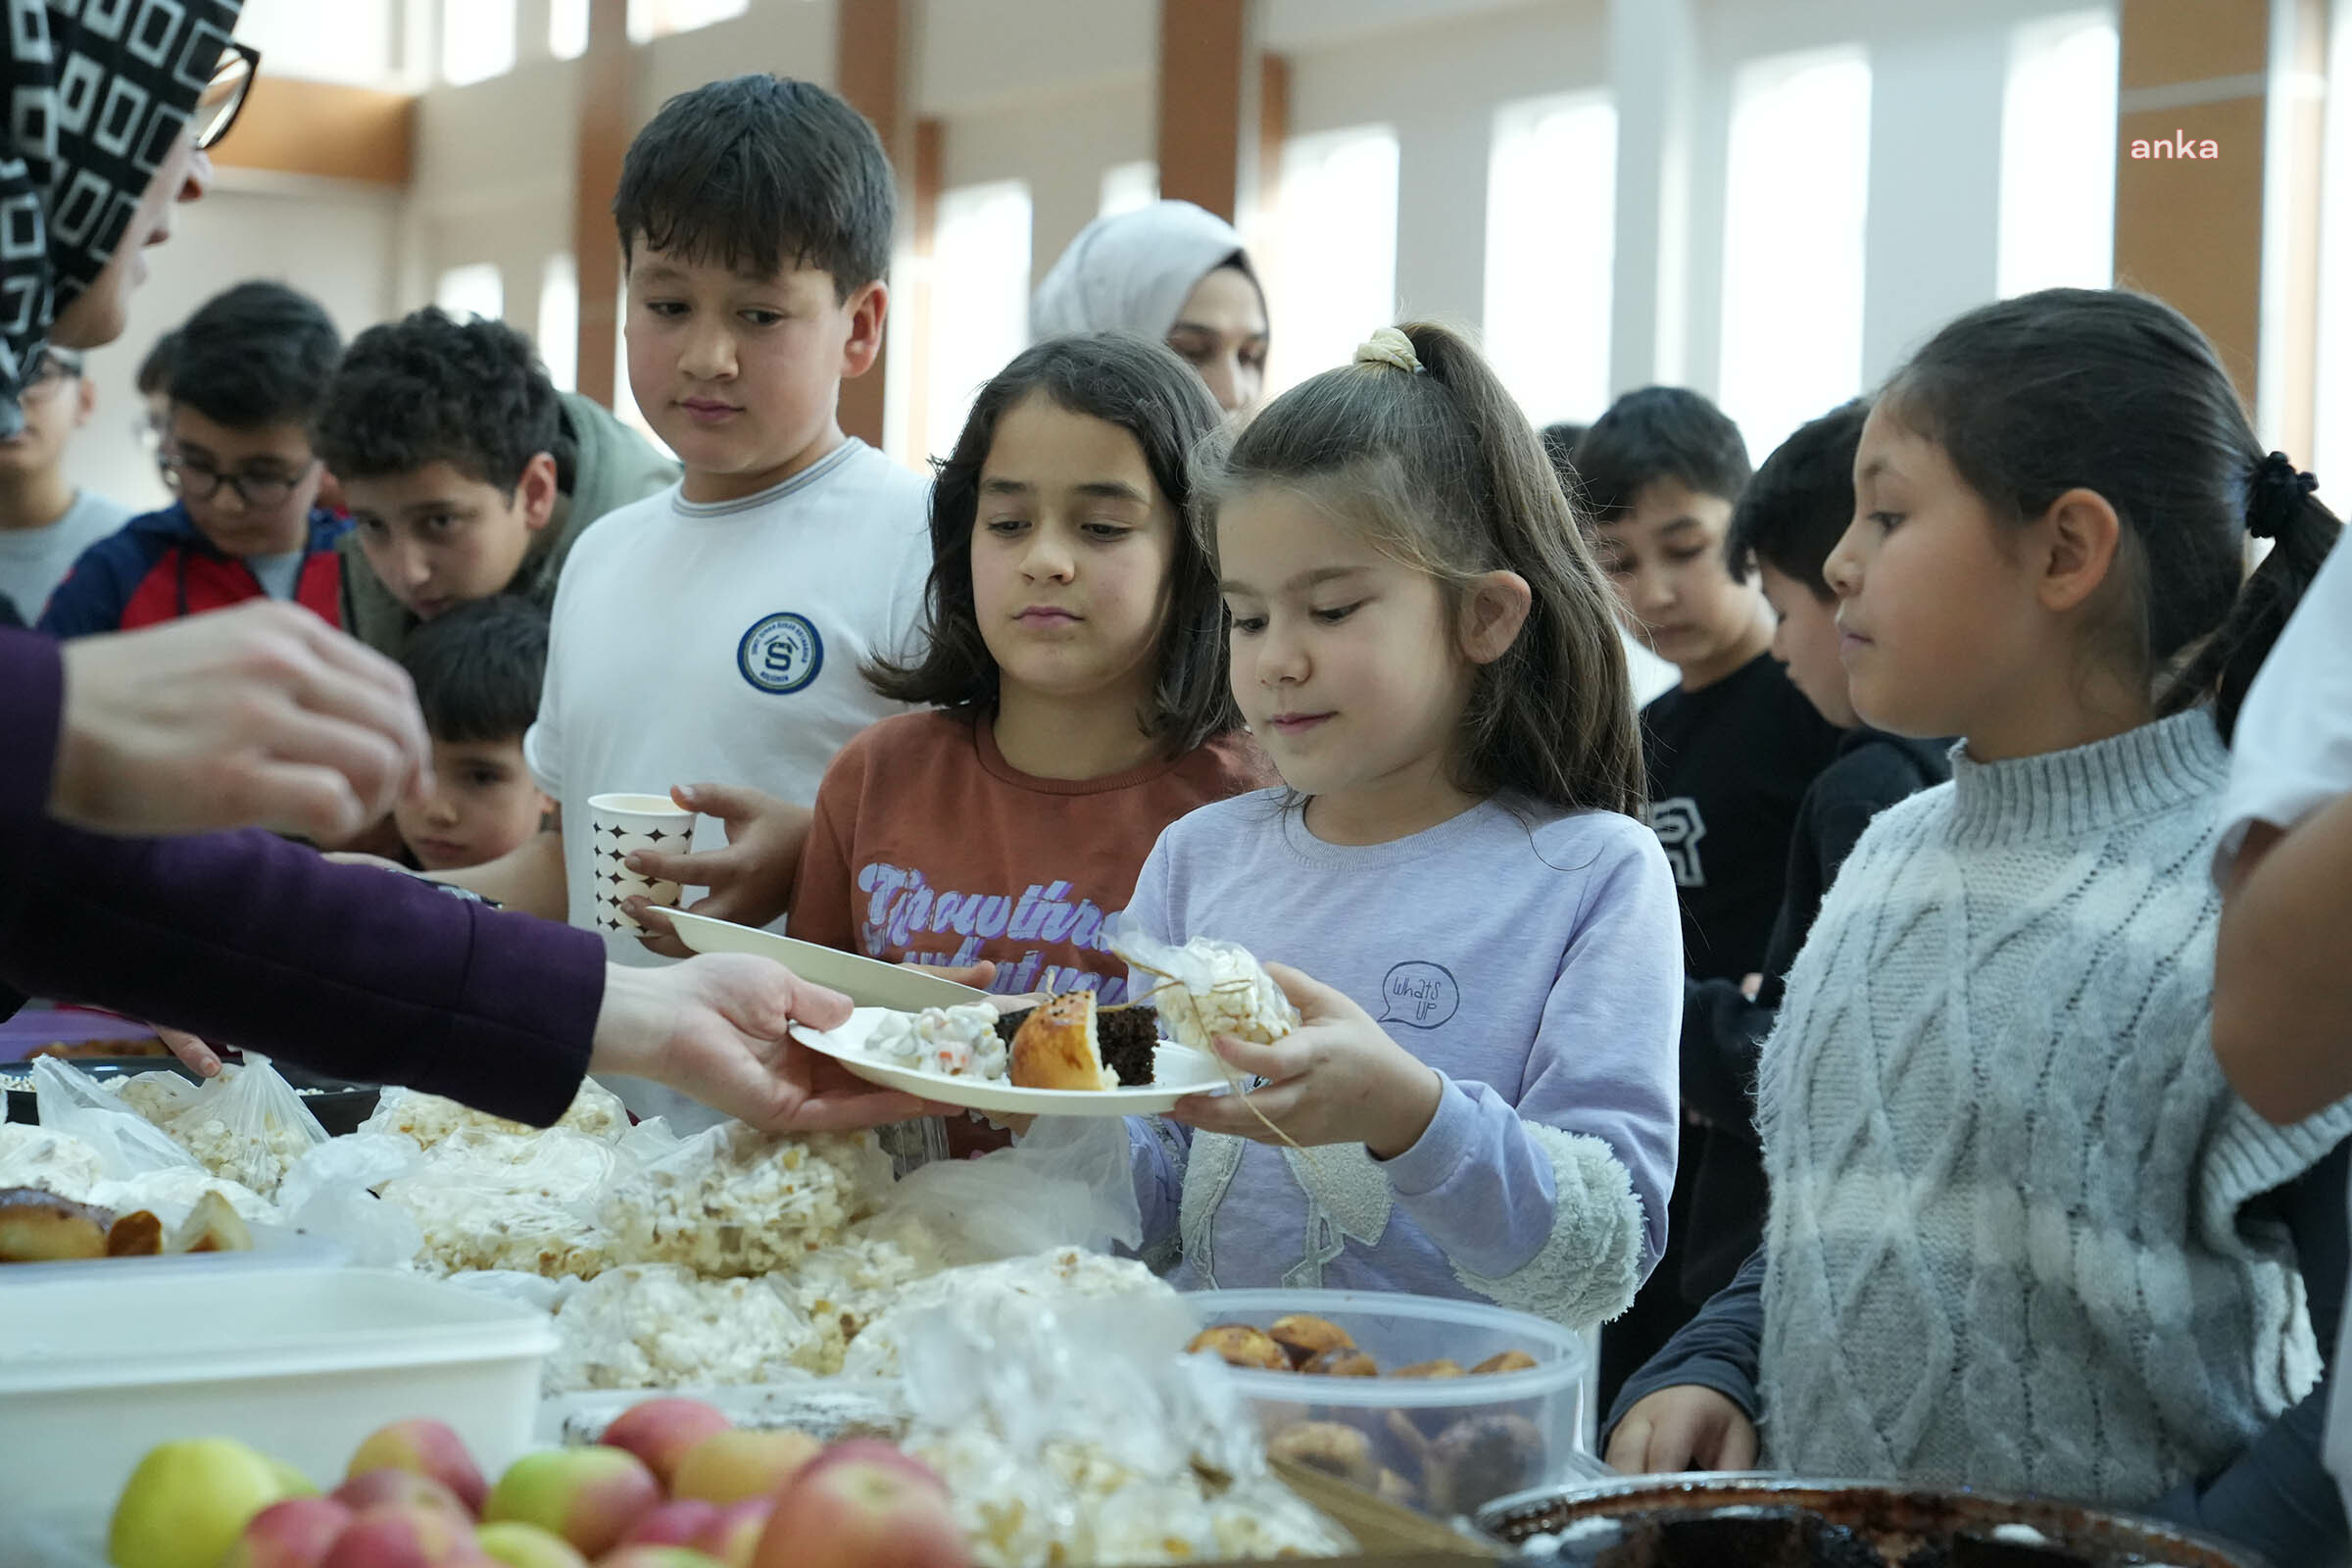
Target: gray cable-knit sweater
(2009, 1243)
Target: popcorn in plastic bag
(596, 1112)
(328, 1193)
(1208, 988)
(247, 1126)
(732, 1201)
(157, 1096)
(1019, 1287)
(54, 1162)
(72, 1102)
(510, 1200)
(656, 1326)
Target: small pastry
(1348, 1363)
(1442, 1368)
(1307, 1337)
(1055, 1046)
(213, 1226)
(1327, 1446)
(1505, 1361)
(37, 1226)
(1240, 1344)
(138, 1233)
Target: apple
(521, 1545)
(736, 1466)
(293, 1533)
(429, 1448)
(672, 1524)
(661, 1430)
(589, 1497)
(187, 1502)
(655, 1557)
(734, 1536)
(863, 1504)
(373, 1489)
(406, 1534)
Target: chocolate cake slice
(1126, 1035)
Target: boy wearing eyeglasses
(44, 521)
(248, 372)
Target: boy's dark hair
(2120, 394)
(760, 173)
(428, 389)
(259, 354)
(1147, 391)
(1660, 432)
(477, 669)
(155, 371)
(1800, 502)
(1440, 468)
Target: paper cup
(619, 825)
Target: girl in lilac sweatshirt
(1481, 1099)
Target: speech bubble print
(1420, 995)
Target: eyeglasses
(53, 366)
(259, 491)
(224, 95)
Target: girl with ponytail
(1482, 1098)
(2023, 1234)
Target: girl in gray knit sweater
(2023, 1234)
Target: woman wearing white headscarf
(1171, 271)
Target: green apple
(187, 1503)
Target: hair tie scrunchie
(1391, 348)
(2279, 491)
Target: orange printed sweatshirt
(929, 848)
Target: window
(560, 321)
(475, 290)
(478, 40)
(2331, 410)
(1126, 187)
(1552, 222)
(567, 29)
(1797, 188)
(1335, 273)
(979, 299)
(657, 19)
(349, 41)
(2058, 156)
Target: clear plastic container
(300, 1363)
(1444, 1444)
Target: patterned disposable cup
(618, 826)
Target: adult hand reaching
(750, 880)
(261, 715)
(713, 1027)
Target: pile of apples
(675, 1484)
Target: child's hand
(1335, 1079)
(1685, 1426)
(750, 880)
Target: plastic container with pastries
(300, 1363)
(1444, 1444)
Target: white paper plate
(868, 981)
(1176, 1072)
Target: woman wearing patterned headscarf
(264, 713)
(1173, 273)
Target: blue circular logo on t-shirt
(781, 652)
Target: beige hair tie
(1391, 348)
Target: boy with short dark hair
(1730, 751)
(477, 671)
(716, 631)
(45, 523)
(1787, 522)
(247, 370)
(465, 471)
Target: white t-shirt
(35, 560)
(722, 643)
(2291, 755)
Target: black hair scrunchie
(2279, 491)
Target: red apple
(429, 1448)
(590, 1497)
(406, 1536)
(294, 1533)
(661, 1430)
(672, 1524)
(863, 1504)
(736, 1466)
(734, 1536)
(375, 1488)
(655, 1557)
